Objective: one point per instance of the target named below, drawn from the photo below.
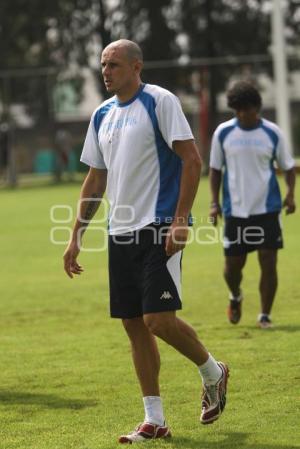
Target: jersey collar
(258, 125)
(126, 103)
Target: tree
(151, 23)
(64, 35)
(69, 34)
(293, 33)
(218, 28)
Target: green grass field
(66, 375)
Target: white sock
(210, 371)
(263, 315)
(153, 410)
(238, 298)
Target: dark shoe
(264, 322)
(234, 310)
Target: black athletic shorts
(243, 235)
(142, 278)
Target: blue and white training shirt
(133, 141)
(250, 186)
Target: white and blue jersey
(247, 157)
(133, 141)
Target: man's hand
(70, 263)
(289, 204)
(215, 211)
(176, 238)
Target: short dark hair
(132, 49)
(243, 94)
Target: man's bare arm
(215, 180)
(190, 176)
(289, 201)
(92, 191)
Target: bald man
(141, 150)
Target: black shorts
(142, 278)
(243, 235)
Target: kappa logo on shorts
(166, 295)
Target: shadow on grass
(277, 328)
(43, 400)
(287, 328)
(232, 440)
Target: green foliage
(225, 28)
(66, 377)
(69, 34)
(218, 28)
(62, 31)
(147, 22)
(22, 33)
(293, 22)
(152, 25)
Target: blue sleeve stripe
(101, 113)
(273, 200)
(170, 165)
(273, 136)
(224, 133)
(226, 194)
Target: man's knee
(132, 325)
(234, 264)
(268, 260)
(159, 324)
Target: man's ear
(138, 66)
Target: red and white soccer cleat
(145, 431)
(214, 397)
